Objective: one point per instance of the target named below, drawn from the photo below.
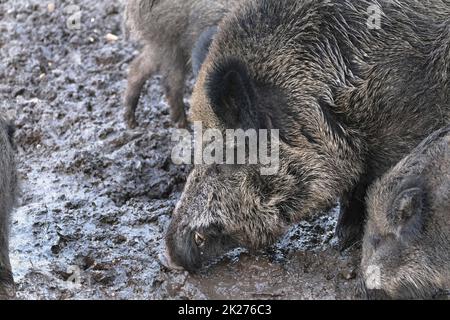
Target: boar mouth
(167, 262)
(183, 252)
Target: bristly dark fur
(349, 101)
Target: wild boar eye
(199, 239)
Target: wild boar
(406, 247)
(169, 30)
(351, 94)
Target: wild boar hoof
(7, 287)
(131, 121)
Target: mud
(97, 197)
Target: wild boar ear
(232, 94)
(409, 203)
(408, 215)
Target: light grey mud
(97, 197)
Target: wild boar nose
(167, 262)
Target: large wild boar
(406, 247)
(169, 30)
(350, 96)
(8, 192)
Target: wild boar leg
(6, 278)
(141, 69)
(174, 84)
(351, 218)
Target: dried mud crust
(97, 197)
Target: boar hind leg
(141, 69)
(6, 277)
(174, 84)
(351, 219)
(201, 49)
(7, 289)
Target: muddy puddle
(97, 197)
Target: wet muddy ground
(97, 197)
